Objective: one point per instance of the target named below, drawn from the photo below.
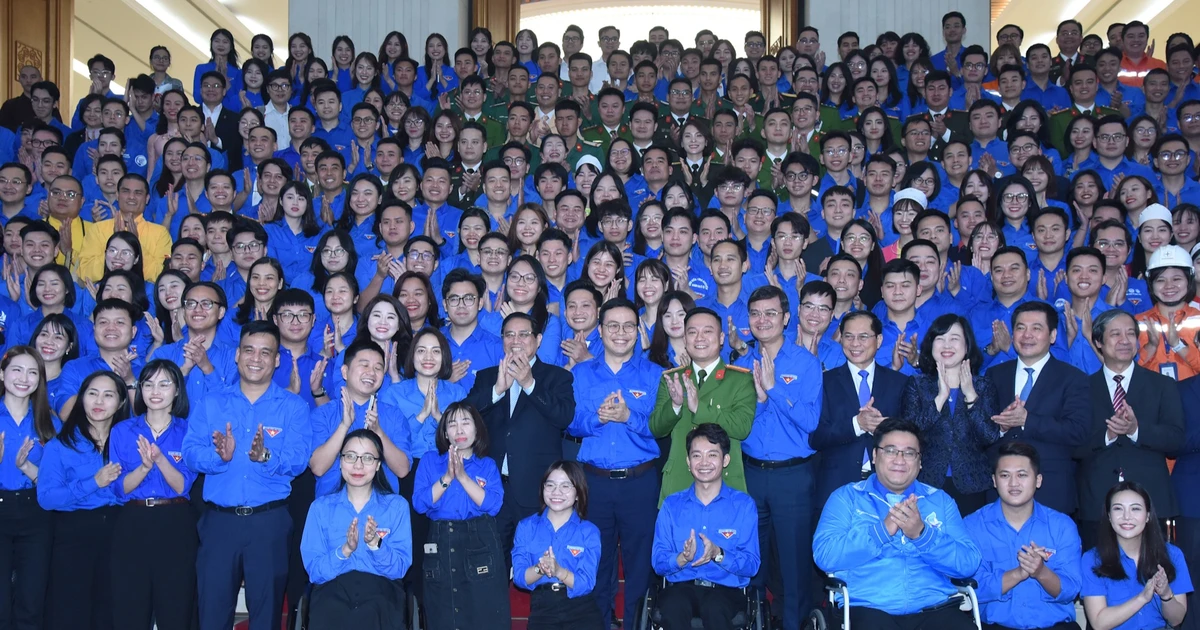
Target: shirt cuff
(496, 397)
(858, 430)
(529, 392)
(1133, 436)
(946, 136)
(677, 409)
(1108, 442)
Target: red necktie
(1118, 393)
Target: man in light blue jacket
(897, 542)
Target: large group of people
(431, 324)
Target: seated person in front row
(705, 540)
(1030, 572)
(897, 542)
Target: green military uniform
(1061, 120)
(591, 112)
(582, 148)
(658, 105)
(765, 179)
(831, 119)
(496, 130)
(665, 129)
(753, 128)
(759, 104)
(726, 398)
(601, 137)
(957, 122)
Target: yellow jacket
(154, 239)
(79, 231)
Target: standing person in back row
(250, 440)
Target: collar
(854, 370)
(214, 112)
(773, 157)
(474, 166)
(1128, 373)
(1084, 110)
(1037, 366)
(709, 369)
(878, 487)
(940, 112)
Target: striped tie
(1118, 393)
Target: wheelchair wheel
(816, 620)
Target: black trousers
(80, 570)
(358, 600)
(968, 502)
(304, 490)
(554, 610)
(25, 538)
(420, 532)
(466, 577)
(680, 602)
(1065, 625)
(154, 567)
(947, 618)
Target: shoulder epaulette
(675, 369)
(737, 369)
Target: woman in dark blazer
(953, 406)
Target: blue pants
(784, 498)
(231, 547)
(624, 510)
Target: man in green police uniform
(612, 110)
(1083, 88)
(703, 390)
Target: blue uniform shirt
(793, 407)
(730, 521)
(455, 504)
(482, 348)
(14, 436)
(576, 548)
(76, 370)
(325, 533)
(196, 381)
(1149, 617)
(1027, 605)
(307, 363)
(407, 398)
(241, 482)
(615, 445)
(122, 447)
(324, 421)
(67, 477)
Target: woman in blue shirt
(358, 216)
(57, 342)
(436, 76)
(25, 425)
(426, 390)
(223, 59)
(459, 489)
(357, 544)
(295, 230)
(556, 553)
(154, 485)
(254, 83)
(76, 481)
(1133, 579)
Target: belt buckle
(557, 586)
(704, 583)
(149, 502)
(620, 473)
(243, 510)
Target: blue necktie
(864, 389)
(1028, 385)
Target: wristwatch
(266, 455)
(1179, 346)
(720, 557)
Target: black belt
(775, 464)
(571, 438)
(552, 586)
(956, 602)
(247, 510)
(157, 502)
(17, 495)
(619, 473)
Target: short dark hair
(260, 327)
(892, 425)
(876, 324)
(712, 432)
(442, 440)
(1036, 306)
(1019, 449)
(941, 326)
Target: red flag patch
(272, 431)
(575, 551)
(176, 455)
(727, 533)
(382, 532)
(787, 378)
(637, 393)
(481, 481)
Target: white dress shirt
(708, 373)
(514, 392)
(214, 115)
(1112, 390)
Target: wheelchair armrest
(964, 582)
(834, 584)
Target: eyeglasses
(103, 74)
(891, 452)
(793, 176)
(15, 181)
(292, 317)
(414, 123)
(731, 186)
(514, 161)
(252, 246)
(41, 144)
(759, 211)
(861, 239)
(565, 486)
(205, 305)
(788, 237)
(613, 222)
(1168, 156)
(68, 194)
(1145, 131)
(517, 334)
(863, 338)
(363, 120)
(351, 459)
(975, 66)
(610, 39)
(333, 251)
(1021, 149)
(620, 153)
(522, 279)
(681, 92)
(1187, 118)
(119, 253)
(465, 300)
(769, 313)
(808, 41)
(211, 85)
(471, 92)
(819, 308)
(839, 151)
(279, 87)
(858, 65)
(1106, 244)
(421, 256)
(753, 45)
(1111, 137)
(613, 328)
(1016, 196)
(489, 252)
(919, 133)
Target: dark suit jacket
(231, 140)
(1058, 421)
(1156, 403)
(1185, 477)
(532, 436)
(841, 450)
(958, 441)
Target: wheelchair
(412, 617)
(833, 617)
(756, 615)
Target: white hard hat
(1152, 212)
(914, 195)
(1170, 256)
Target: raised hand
(143, 449)
(689, 388)
(224, 442)
(351, 538)
(258, 447)
(316, 376)
(710, 551)
(371, 533)
(107, 474)
(371, 416)
(22, 459)
(689, 550)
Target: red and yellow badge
(481, 481)
(727, 533)
(575, 551)
(272, 431)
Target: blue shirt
(1027, 605)
(338, 138)
(1125, 167)
(482, 348)
(729, 521)
(123, 449)
(240, 481)
(1132, 97)
(455, 504)
(324, 421)
(447, 220)
(307, 362)
(78, 369)
(736, 310)
(407, 398)
(1080, 352)
(14, 436)
(67, 477)
(1190, 193)
(325, 533)
(1117, 592)
(1051, 98)
(576, 548)
(793, 406)
(615, 445)
(294, 251)
(196, 381)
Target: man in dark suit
(220, 123)
(1044, 402)
(1137, 419)
(527, 404)
(853, 405)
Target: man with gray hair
(1137, 419)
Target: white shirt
(1021, 376)
(599, 75)
(708, 373)
(514, 392)
(1112, 390)
(856, 378)
(278, 121)
(771, 157)
(214, 115)
(942, 112)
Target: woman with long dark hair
(25, 527)
(223, 58)
(667, 343)
(295, 229)
(1133, 578)
(156, 513)
(953, 405)
(526, 291)
(56, 342)
(357, 544)
(76, 480)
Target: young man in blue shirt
(705, 540)
(249, 470)
(614, 397)
(1030, 574)
(472, 347)
(896, 542)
